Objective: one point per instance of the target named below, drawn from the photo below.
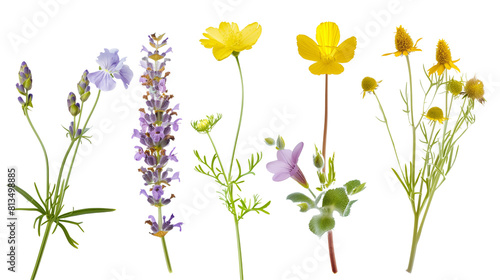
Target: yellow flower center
(455, 87)
(474, 89)
(369, 84)
(443, 54)
(435, 114)
(327, 52)
(403, 40)
(232, 39)
(202, 125)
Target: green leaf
(85, 212)
(351, 185)
(321, 223)
(305, 202)
(30, 199)
(336, 200)
(347, 210)
(71, 241)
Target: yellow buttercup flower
(455, 87)
(474, 89)
(404, 43)
(435, 114)
(369, 85)
(443, 57)
(228, 39)
(327, 53)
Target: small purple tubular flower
(21, 100)
(140, 153)
(159, 202)
(286, 166)
(111, 67)
(165, 227)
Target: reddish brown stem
(332, 252)
(325, 127)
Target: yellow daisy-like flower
(455, 87)
(404, 43)
(327, 53)
(443, 57)
(228, 39)
(474, 89)
(435, 114)
(369, 85)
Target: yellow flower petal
(321, 67)
(345, 52)
(213, 34)
(249, 35)
(308, 49)
(221, 52)
(328, 34)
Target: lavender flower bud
(74, 109)
(85, 96)
(21, 100)
(83, 86)
(21, 89)
(25, 76)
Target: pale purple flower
(286, 166)
(111, 67)
(140, 153)
(165, 227)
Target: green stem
(42, 248)
(44, 151)
(414, 244)
(309, 189)
(165, 251)
(240, 257)
(218, 157)
(63, 190)
(388, 130)
(241, 117)
(414, 133)
(160, 224)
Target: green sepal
(30, 199)
(336, 200)
(305, 202)
(354, 187)
(85, 212)
(321, 223)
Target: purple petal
(296, 152)
(176, 176)
(285, 156)
(102, 80)
(152, 218)
(108, 59)
(278, 177)
(125, 75)
(277, 167)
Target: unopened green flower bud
(85, 96)
(202, 125)
(269, 141)
(74, 109)
(318, 160)
(280, 143)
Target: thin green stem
(79, 139)
(309, 189)
(218, 157)
(414, 133)
(58, 185)
(43, 148)
(241, 117)
(42, 249)
(165, 251)
(388, 130)
(240, 256)
(414, 244)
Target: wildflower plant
(328, 55)
(225, 41)
(436, 130)
(155, 136)
(51, 206)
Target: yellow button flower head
(404, 43)
(327, 53)
(369, 85)
(443, 57)
(474, 89)
(455, 87)
(435, 114)
(228, 39)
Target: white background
(460, 239)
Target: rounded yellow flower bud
(435, 114)
(455, 87)
(202, 125)
(474, 89)
(369, 84)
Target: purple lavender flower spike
(286, 166)
(111, 66)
